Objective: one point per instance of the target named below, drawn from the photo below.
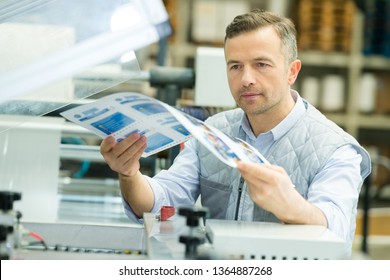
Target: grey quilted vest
(302, 152)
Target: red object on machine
(167, 212)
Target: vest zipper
(239, 198)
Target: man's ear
(294, 69)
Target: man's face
(258, 75)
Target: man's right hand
(123, 157)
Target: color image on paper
(131, 99)
(156, 141)
(219, 145)
(195, 121)
(149, 108)
(112, 123)
(181, 129)
(90, 114)
(250, 151)
(168, 120)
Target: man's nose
(248, 77)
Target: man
(316, 169)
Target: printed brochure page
(124, 113)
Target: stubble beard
(254, 108)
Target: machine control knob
(193, 215)
(4, 231)
(7, 199)
(5, 248)
(191, 242)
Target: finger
(255, 167)
(134, 151)
(135, 156)
(124, 145)
(258, 172)
(107, 144)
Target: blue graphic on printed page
(113, 123)
(156, 141)
(181, 129)
(90, 114)
(167, 120)
(130, 99)
(150, 108)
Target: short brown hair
(257, 19)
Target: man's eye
(234, 67)
(262, 65)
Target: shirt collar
(286, 124)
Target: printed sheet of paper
(122, 114)
(227, 149)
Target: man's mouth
(250, 95)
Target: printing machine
(186, 233)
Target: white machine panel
(271, 241)
(211, 85)
(239, 240)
